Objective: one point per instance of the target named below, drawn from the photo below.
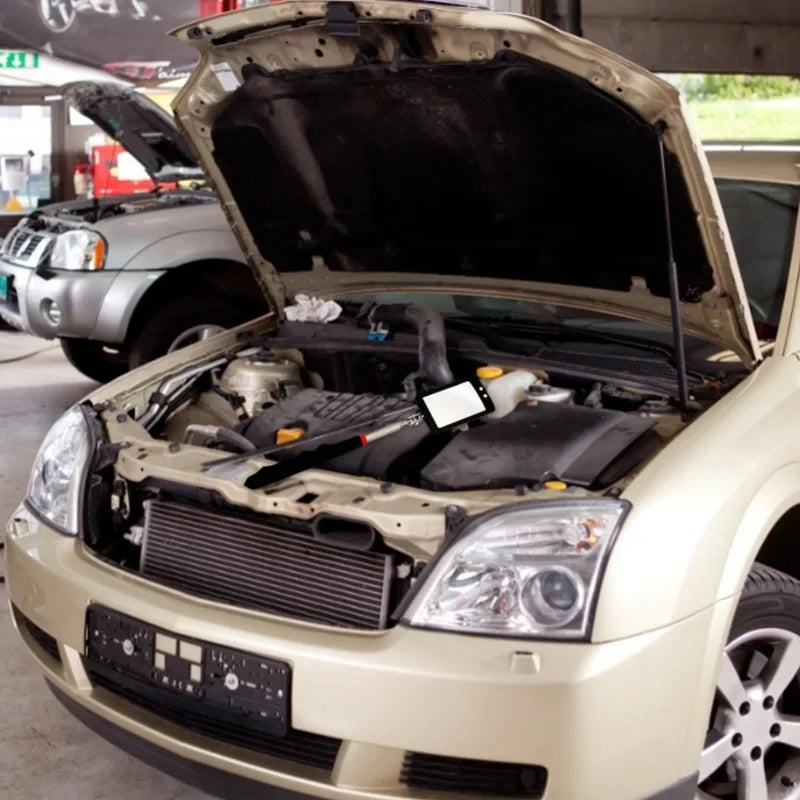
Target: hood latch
(342, 20)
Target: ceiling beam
(754, 36)
(666, 46)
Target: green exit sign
(18, 59)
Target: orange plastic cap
(286, 435)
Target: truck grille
(467, 776)
(27, 247)
(271, 564)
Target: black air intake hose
(434, 368)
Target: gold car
(255, 565)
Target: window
(762, 218)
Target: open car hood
(370, 146)
(146, 131)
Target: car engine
(270, 402)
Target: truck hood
(138, 124)
(369, 146)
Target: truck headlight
(57, 478)
(529, 571)
(80, 249)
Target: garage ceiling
(757, 36)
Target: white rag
(312, 309)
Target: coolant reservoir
(507, 390)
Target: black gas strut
(672, 274)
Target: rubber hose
(433, 365)
(219, 434)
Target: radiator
(268, 563)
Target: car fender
(777, 495)
(120, 302)
(703, 506)
(185, 247)
(700, 512)
(148, 265)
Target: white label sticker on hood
(226, 76)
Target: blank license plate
(3, 287)
(246, 685)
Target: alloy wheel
(197, 333)
(752, 749)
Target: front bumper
(612, 721)
(78, 296)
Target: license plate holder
(248, 686)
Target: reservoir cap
(489, 372)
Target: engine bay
(79, 213)
(276, 402)
(172, 496)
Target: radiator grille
(26, 246)
(303, 748)
(42, 638)
(467, 776)
(269, 564)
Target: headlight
(79, 250)
(57, 476)
(529, 571)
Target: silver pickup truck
(122, 280)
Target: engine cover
(332, 416)
(581, 446)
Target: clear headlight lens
(58, 472)
(529, 571)
(81, 249)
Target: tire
(93, 360)
(752, 749)
(165, 329)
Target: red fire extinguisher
(80, 179)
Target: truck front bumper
(59, 304)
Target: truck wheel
(752, 748)
(181, 323)
(94, 360)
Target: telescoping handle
(324, 453)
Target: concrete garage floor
(45, 754)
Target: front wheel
(183, 322)
(752, 749)
(94, 359)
